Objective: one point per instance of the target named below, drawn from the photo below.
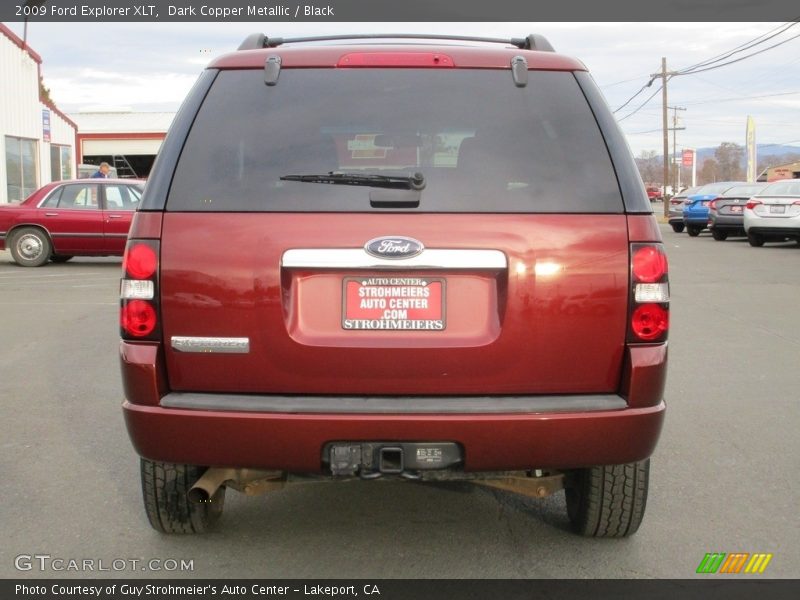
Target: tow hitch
(434, 461)
(370, 460)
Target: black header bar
(396, 10)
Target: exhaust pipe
(208, 484)
(248, 481)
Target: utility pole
(664, 74)
(674, 129)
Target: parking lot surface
(724, 476)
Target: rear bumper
(696, 219)
(791, 230)
(294, 442)
(727, 222)
(498, 433)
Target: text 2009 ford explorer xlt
(409, 258)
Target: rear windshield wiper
(398, 182)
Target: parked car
(310, 291)
(773, 215)
(85, 217)
(726, 211)
(654, 193)
(695, 209)
(676, 208)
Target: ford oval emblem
(394, 246)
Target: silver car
(676, 208)
(773, 215)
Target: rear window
(744, 190)
(782, 188)
(482, 144)
(713, 188)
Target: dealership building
(129, 141)
(37, 140)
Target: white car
(773, 215)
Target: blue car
(695, 210)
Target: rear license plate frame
(350, 322)
(777, 209)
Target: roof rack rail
(258, 41)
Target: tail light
(676, 202)
(138, 292)
(713, 204)
(649, 303)
(751, 204)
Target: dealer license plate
(394, 303)
(736, 209)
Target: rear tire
(693, 230)
(30, 247)
(718, 235)
(608, 501)
(678, 227)
(755, 240)
(165, 487)
(60, 258)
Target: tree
(650, 167)
(709, 172)
(44, 92)
(729, 161)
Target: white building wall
(19, 101)
(21, 111)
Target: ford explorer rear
(424, 259)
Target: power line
(715, 100)
(628, 101)
(642, 105)
(741, 47)
(740, 59)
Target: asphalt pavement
(724, 476)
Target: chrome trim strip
(69, 235)
(393, 405)
(357, 258)
(219, 345)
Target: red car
(654, 193)
(86, 217)
(411, 259)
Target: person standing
(102, 171)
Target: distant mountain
(762, 151)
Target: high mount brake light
(649, 301)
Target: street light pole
(674, 129)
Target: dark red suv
(429, 259)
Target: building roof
(123, 122)
(20, 43)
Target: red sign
(687, 158)
(393, 303)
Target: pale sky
(151, 66)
